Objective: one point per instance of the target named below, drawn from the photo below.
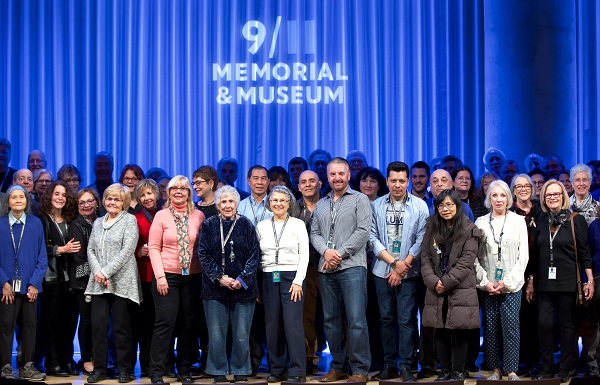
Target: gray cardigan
(111, 251)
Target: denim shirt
(260, 213)
(413, 229)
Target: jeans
(345, 293)
(219, 316)
(398, 307)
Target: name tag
(498, 274)
(395, 246)
(16, 284)
(330, 245)
(276, 277)
(552, 272)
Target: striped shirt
(352, 213)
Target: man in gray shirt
(340, 232)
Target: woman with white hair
(500, 272)
(230, 255)
(582, 201)
(284, 248)
(173, 246)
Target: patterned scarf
(183, 241)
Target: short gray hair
(282, 190)
(227, 190)
(502, 184)
(512, 184)
(580, 168)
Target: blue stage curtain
(135, 78)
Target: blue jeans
(219, 316)
(397, 305)
(345, 293)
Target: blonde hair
(566, 203)
(120, 191)
(180, 181)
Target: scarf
(583, 206)
(558, 218)
(183, 241)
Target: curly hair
(69, 211)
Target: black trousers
(175, 308)
(8, 321)
(58, 323)
(426, 343)
(142, 327)
(452, 348)
(284, 325)
(530, 346)
(563, 304)
(103, 307)
(84, 334)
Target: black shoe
(124, 377)
(170, 374)
(220, 378)
(296, 379)
(457, 375)
(543, 375)
(276, 378)
(445, 375)
(57, 371)
(311, 368)
(240, 378)
(387, 373)
(157, 380)
(96, 376)
(565, 377)
(185, 378)
(472, 368)
(407, 375)
(71, 369)
(425, 372)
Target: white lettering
(221, 72)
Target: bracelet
(588, 283)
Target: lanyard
(398, 215)
(62, 235)
(224, 241)
(333, 210)
(254, 212)
(278, 237)
(551, 237)
(15, 247)
(499, 241)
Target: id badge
(552, 272)
(330, 245)
(185, 271)
(16, 284)
(276, 277)
(396, 247)
(498, 274)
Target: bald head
(24, 177)
(440, 180)
(309, 184)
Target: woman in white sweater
(500, 272)
(284, 259)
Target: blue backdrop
(178, 84)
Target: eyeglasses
(448, 206)
(581, 180)
(555, 195)
(130, 179)
(522, 187)
(180, 188)
(88, 202)
(44, 181)
(111, 200)
(36, 161)
(539, 182)
(198, 182)
(74, 180)
(275, 201)
(464, 178)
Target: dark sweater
(80, 231)
(564, 254)
(244, 265)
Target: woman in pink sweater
(173, 250)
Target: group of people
(327, 235)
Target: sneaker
(513, 377)
(220, 379)
(407, 375)
(7, 372)
(495, 377)
(29, 372)
(240, 378)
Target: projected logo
(273, 80)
